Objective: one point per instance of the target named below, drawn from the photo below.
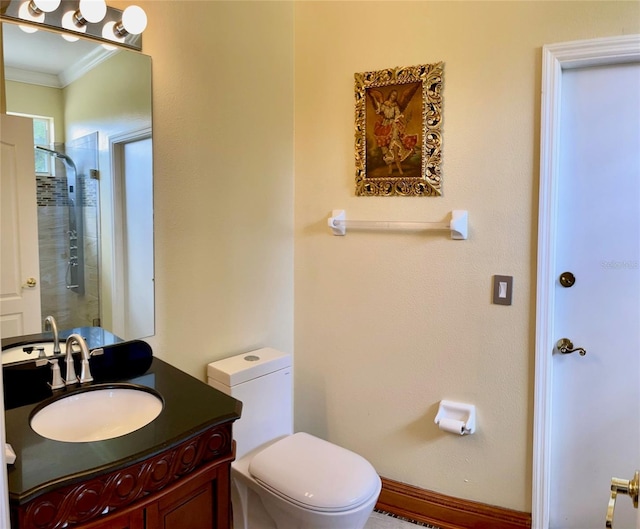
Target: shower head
(52, 152)
(56, 154)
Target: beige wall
(37, 100)
(387, 325)
(112, 98)
(223, 177)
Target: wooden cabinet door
(194, 509)
(132, 519)
(200, 502)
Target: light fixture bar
(54, 20)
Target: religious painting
(398, 131)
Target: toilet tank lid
(247, 366)
(314, 473)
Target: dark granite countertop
(42, 465)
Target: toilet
(281, 479)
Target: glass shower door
(68, 235)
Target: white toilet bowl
(283, 480)
(303, 482)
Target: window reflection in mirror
(95, 198)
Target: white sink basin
(97, 413)
(17, 353)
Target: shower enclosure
(68, 233)
(74, 275)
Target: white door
(595, 423)
(587, 408)
(138, 270)
(19, 266)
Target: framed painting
(399, 131)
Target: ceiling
(45, 53)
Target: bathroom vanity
(173, 473)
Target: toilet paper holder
(456, 417)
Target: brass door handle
(565, 346)
(622, 486)
(30, 283)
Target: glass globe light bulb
(134, 20)
(47, 6)
(93, 10)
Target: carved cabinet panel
(187, 486)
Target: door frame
(117, 143)
(555, 59)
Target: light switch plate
(502, 290)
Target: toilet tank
(263, 381)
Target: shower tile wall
(53, 220)
(69, 308)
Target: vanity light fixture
(74, 18)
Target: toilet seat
(315, 474)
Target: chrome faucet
(50, 322)
(85, 372)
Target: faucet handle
(71, 377)
(42, 358)
(56, 382)
(85, 372)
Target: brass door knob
(622, 486)
(30, 283)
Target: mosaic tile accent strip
(52, 191)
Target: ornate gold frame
(392, 136)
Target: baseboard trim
(446, 512)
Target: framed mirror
(92, 123)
